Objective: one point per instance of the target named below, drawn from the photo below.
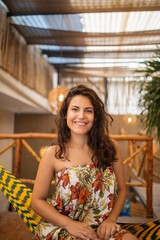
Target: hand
(107, 228)
(81, 230)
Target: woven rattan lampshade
(56, 97)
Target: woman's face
(80, 115)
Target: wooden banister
(54, 136)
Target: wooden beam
(28, 147)
(98, 54)
(30, 7)
(134, 154)
(43, 36)
(29, 135)
(54, 136)
(7, 147)
(93, 72)
(17, 159)
(156, 156)
(90, 72)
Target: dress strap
(60, 176)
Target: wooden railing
(138, 164)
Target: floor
(12, 227)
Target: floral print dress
(84, 193)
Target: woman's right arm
(46, 210)
(41, 189)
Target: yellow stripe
(152, 232)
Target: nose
(81, 114)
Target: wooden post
(128, 154)
(17, 159)
(149, 179)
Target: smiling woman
(90, 185)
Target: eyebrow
(85, 108)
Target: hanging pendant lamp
(56, 97)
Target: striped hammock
(19, 195)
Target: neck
(80, 141)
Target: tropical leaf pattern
(83, 193)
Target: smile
(80, 123)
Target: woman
(86, 163)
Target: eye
(89, 110)
(75, 109)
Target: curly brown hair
(104, 152)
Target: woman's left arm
(109, 226)
(119, 172)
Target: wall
(119, 123)
(6, 126)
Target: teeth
(81, 123)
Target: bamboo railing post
(128, 154)
(137, 156)
(149, 177)
(17, 159)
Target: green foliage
(149, 101)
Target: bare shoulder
(49, 155)
(51, 150)
(50, 158)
